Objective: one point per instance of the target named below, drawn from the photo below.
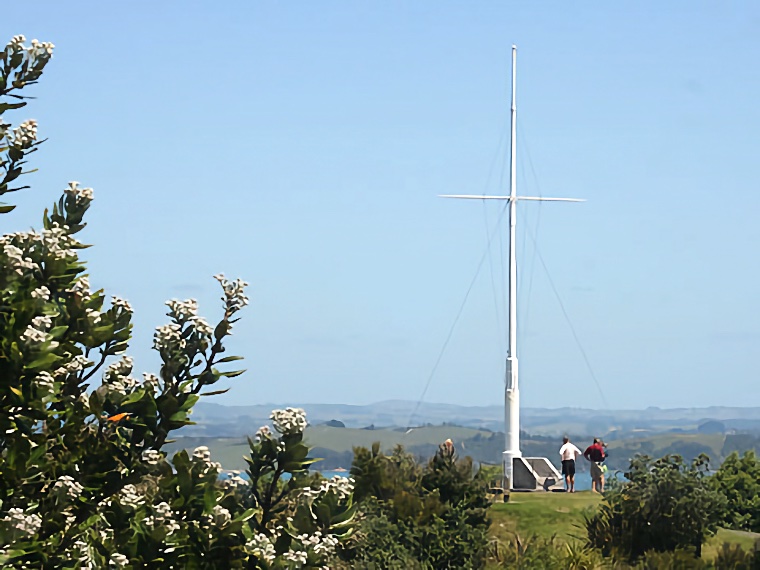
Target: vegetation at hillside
(664, 505)
(738, 480)
(418, 516)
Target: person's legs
(601, 483)
(572, 483)
(596, 474)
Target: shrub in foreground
(84, 480)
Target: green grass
(561, 515)
(542, 514)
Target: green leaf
(8, 106)
(16, 391)
(229, 359)
(5, 208)
(221, 330)
(178, 417)
(209, 499)
(192, 399)
(233, 373)
(43, 361)
(215, 392)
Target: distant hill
(335, 445)
(217, 420)
(476, 430)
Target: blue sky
(302, 145)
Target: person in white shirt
(568, 452)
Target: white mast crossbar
(512, 392)
(535, 198)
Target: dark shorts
(568, 467)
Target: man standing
(595, 454)
(568, 452)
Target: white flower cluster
(234, 481)
(77, 364)
(41, 292)
(150, 382)
(341, 486)
(25, 135)
(162, 516)
(129, 497)
(17, 44)
(36, 332)
(70, 518)
(118, 561)
(320, 544)
(297, 556)
(58, 241)
(187, 312)
(42, 322)
(263, 433)
(80, 195)
(121, 367)
(93, 315)
(117, 378)
(182, 310)
(81, 287)
(221, 516)
(106, 534)
(85, 555)
(152, 457)
(168, 338)
(44, 382)
(55, 241)
(67, 487)
(202, 327)
(261, 547)
(203, 455)
(289, 421)
(38, 48)
(27, 525)
(234, 293)
(120, 303)
(15, 255)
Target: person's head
(597, 441)
(565, 439)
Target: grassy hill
(336, 445)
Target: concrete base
(534, 474)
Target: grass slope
(561, 515)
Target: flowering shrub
(84, 482)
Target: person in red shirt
(595, 454)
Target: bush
(413, 516)
(738, 480)
(734, 557)
(84, 480)
(664, 505)
(675, 560)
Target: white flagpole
(512, 387)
